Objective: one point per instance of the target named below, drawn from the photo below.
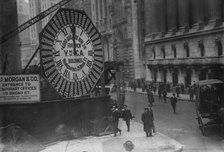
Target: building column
(215, 12)
(197, 14)
(159, 75)
(183, 11)
(99, 10)
(172, 16)
(151, 26)
(194, 76)
(149, 74)
(161, 15)
(181, 75)
(169, 76)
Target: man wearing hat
(147, 119)
(116, 115)
(127, 116)
(150, 96)
(153, 125)
(173, 101)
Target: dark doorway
(155, 75)
(164, 75)
(175, 77)
(202, 75)
(188, 78)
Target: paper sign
(19, 88)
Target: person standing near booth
(116, 115)
(147, 119)
(127, 116)
(173, 101)
(150, 97)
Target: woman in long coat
(147, 118)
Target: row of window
(201, 46)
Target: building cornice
(187, 61)
(120, 22)
(149, 41)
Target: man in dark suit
(116, 115)
(127, 116)
(150, 96)
(164, 95)
(147, 119)
(173, 101)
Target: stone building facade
(183, 40)
(10, 59)
(118, 22)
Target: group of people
(173, 99)
(125, 114)
(146, 117)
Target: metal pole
(118, 90)
(31, 60)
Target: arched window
(186, 47)
(174, 51)
(153, 53)
(202, 48)
(219, 46)
(163, 52)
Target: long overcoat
(150, 97)
(147, 118)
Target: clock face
(71, 53)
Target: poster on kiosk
(19, 88)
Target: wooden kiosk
(59, 102)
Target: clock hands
(73, 29)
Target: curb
(157, 96)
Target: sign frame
(71, 80)
(23, 88)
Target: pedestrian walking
(173, 101)
(153, 124)
(182, 88)
(164, 95)
(147, 119)
(178, 90)
(194, 87)
(191, 93)
(150, 97)
(168, 87)
(116, 115)
(97, 91)
(160, 91)
(127, 116)
(135, 86)
(122, 97)
(221, 119)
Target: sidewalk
(109, 143)
(184, 97)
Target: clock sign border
(65, 87)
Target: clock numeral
(64, 31)
(56, 40)
(89, 64)
(57, 53)
(75, 76)
(59, 65)
(87, 42)
(66, 74)
(85, 59)
(90, 53)
(83, 74)
(81, 33)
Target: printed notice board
(19, 88)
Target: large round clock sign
(71, 53)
